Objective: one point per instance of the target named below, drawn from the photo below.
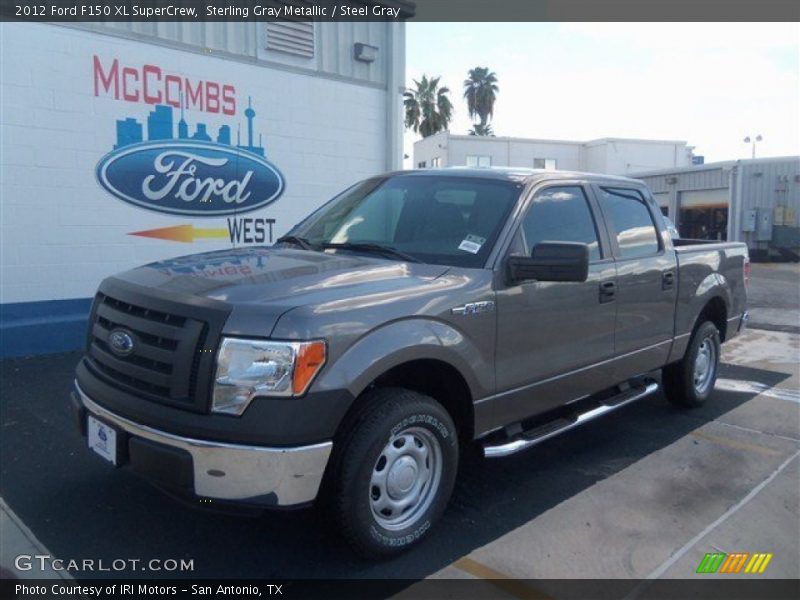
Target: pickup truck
(413, 316)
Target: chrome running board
(526, 439)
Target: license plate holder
(103, 439)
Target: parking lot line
(754, 387)
(758, 431)
(734, 444)
(508, 584)
(678, 554)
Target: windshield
(442, 220)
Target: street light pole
(755, 140)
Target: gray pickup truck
(413, 316)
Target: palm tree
(480, 92)
(428, 107)
(478, 129)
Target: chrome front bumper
(233, 472)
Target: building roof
(595, 142)
(714, 165)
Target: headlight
(250, 368)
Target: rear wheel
(689, 382)
(394, 471)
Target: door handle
(667, 280)
(608, 290)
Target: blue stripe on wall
(30, 328)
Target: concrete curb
(15, 540)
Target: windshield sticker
(472, 244)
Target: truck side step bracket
(529, 438)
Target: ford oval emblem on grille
(121, 342)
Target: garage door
(718, 198)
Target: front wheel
(689, 382)
(394, 471)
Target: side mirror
(551, 261)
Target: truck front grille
(170, 361)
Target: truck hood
(270, 281)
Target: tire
(689, 382)
(400, 449)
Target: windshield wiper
(374, 248)
(297, 241)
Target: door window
(631, 222)
(560, 214)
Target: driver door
(551, 336)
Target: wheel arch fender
(407, 340)
(711, 300)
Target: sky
(710, 84)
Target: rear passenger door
(646, 281)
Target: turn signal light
(310, 358)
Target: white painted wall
(504, 152)
(567, 155)
(433, 146)
(622, 157)
(609, 156)
(61, 232)
(595, 158)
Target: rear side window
(560, 214)
(630, 220)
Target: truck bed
(705, 267)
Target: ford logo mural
(187, 177)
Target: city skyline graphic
(161, 126)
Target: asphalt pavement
(728, 484)
(774, 296)
(79, 507)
